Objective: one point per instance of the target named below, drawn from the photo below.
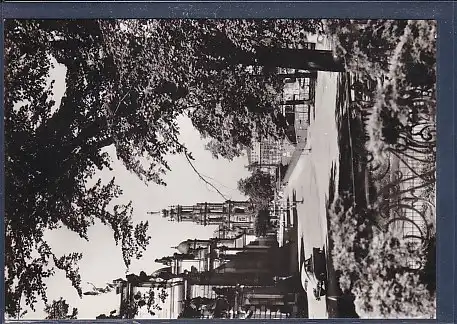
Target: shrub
(259, 186)
(386, 287)
(401, 297)
(350, 233)
(398, 56)
(262, 222)
(373, 265)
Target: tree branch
(202, 178)
(120, 102)
(189, 160)
(195, 106)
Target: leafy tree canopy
(127, 82)
(399, 57)
(112, 315)
(259, 187)
(198, 307)
(58, 310)
(262, 222)
(151, 300)
(375, 265)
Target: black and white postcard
(220, 168)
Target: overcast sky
(102, 260)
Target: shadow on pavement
(351, 178)
(339, 304)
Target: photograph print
(220, 168)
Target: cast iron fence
(404, 181)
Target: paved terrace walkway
(309, 175)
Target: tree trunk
(271, 57)
(304, 59)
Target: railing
(237, 308)
(265, 312)
(405, 180)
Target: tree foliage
(53, 152)
(198, 307)
(262, 222)
(219, 149)
(395, 60)
(151, 300)
(386, 287)
(127, 81)
(259, 187)
(59, 310)
(399, 57)
(112, 315)
(374, 266)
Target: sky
(102, 260)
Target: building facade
(297, 106)
(231, 217)
(239, 270)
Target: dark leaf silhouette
(59, 310)
(127, 83)
(259, 187)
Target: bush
(262, 222)
(398, 56)
(350, 233)
(375, 48)
(373, 265)
(386, 287)
(428, 275)
(259, 186)
(401, 297)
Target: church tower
(227, 215)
